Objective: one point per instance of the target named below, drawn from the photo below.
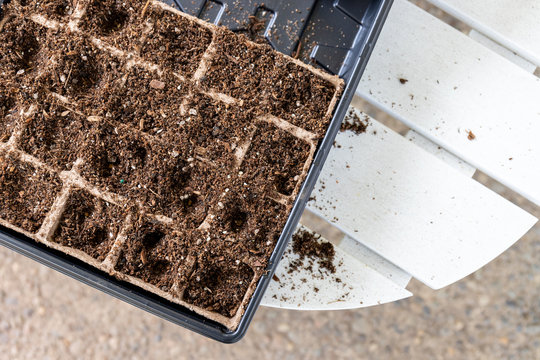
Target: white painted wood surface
(358, 286)
(514, 24)
(456, 85)
(412, 209)
(440, 153)
(501, 50)
(415, 204)
(352, 247)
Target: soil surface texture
(163, 150)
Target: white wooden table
(407, 206)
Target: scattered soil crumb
(354, 123)
(255, 29)
(307, 245)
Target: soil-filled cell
(89, 224)
(26, 193)
(174, 41)
(54, 133)
(276, 159)
(218, 284)
(155, 253)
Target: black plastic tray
(337, 35)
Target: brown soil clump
(354, 123)
(307, 245)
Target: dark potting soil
(21, 40)
(275, 159)
(218, 284)
(53, 133)
(118, 22)
(145, 101)
(175, 41)
(307, 245)
(291, 93)
(26, 193)
(76, 68)
(156, 254)
(239, 67)
(7, 113)
(204, 174)
(54, 9)
(89, 224)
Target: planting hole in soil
(107, 16)
(89, 224)
(218, 285)
(154, 254)
(7, 103)
(20, 39)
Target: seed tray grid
(73, 182)
(194, 78)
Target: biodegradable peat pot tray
(164, 159)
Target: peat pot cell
(238, 66)
(116, 158)
(53, 134)
(77, 69)
(20, 41)
(275, 157)
(157, 174)
(115, 21)
(7, 118)
(147, 102)
(182, 190)
(26, 193)
(54, 9)
(89, 224)
(218, 284)
(251, 224)
(156, 254)
(293, 93)
(215, 128)
(175, 42)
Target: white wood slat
(440, 153)
(456, 85)
(514, 24)
(499, 49)
(359, 286)
(352, 247)
(412, 209)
